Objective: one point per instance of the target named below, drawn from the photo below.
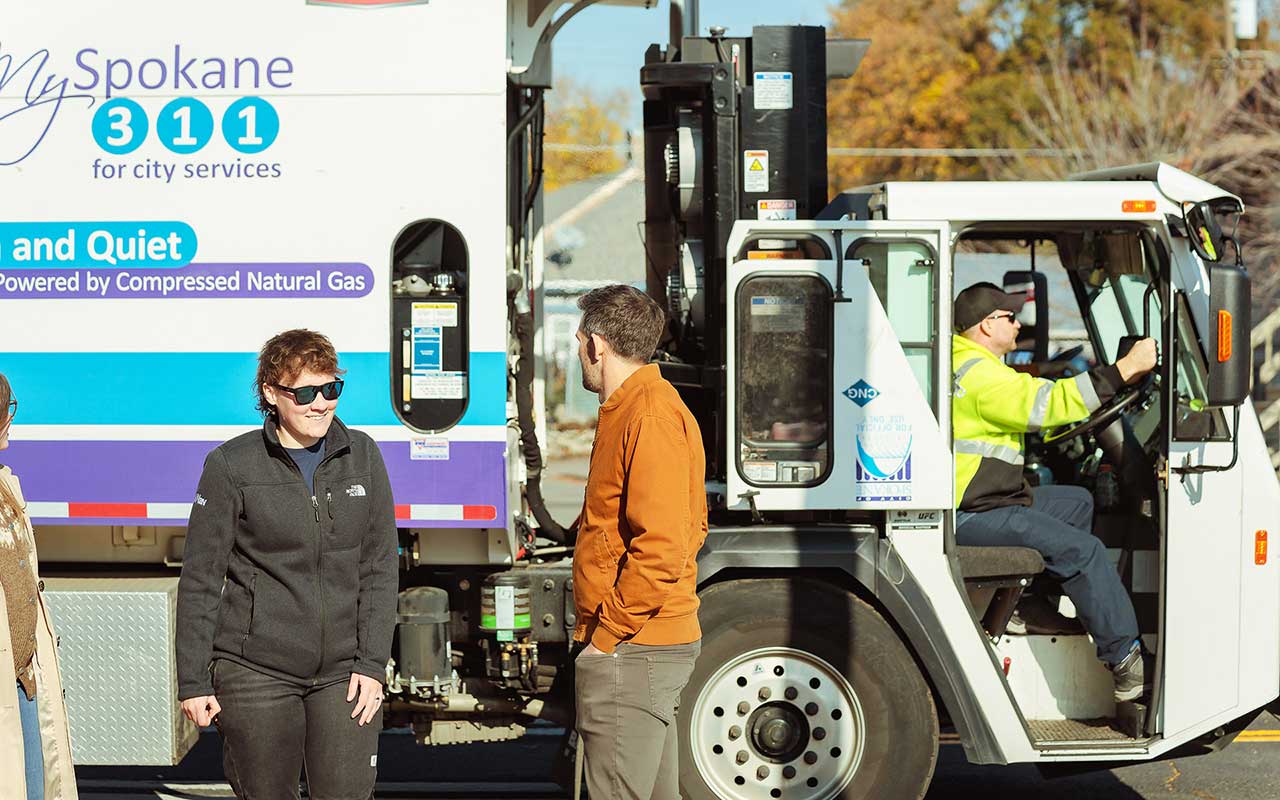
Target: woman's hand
(201, 710)
(367, 692)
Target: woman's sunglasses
(306, 395)
(13, 410)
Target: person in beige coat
(35, 743)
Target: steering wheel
(1105, 414)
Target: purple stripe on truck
(167, 472)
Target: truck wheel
(802, 691)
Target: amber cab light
(1138, 206)
(1224, 336)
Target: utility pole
(1229, 27)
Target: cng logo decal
(862, 393)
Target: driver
(992, 407)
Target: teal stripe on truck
(209, 388)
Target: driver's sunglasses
(1009, 315)
(306, 395)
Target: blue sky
(603, 47)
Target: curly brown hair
(287, 355)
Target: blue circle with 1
(250, 125)
(119, 126)
(185, 125)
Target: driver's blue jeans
(1059, 525)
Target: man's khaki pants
(627, 703)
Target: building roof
(594, 230)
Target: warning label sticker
(755, 170)
(438, 386)
(773, 90)
(440, 315)
(776, 209)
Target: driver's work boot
(1129, 675)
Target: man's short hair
(292, 353)
(625, 317)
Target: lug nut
(788, 772)
(811, 758)
(765, 694)
(734, 733)
(762, 773)
(790, 693)
(811, 709)
(819, 733)
(742, 757)
(744, 708)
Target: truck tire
(802, 691)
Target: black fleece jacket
(310, 580)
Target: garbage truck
(182, 182)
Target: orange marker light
(1224, 336)
(1138, 206)
(1260, 548)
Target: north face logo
(355, 490)
(862, 393)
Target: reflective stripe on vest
(974, 447)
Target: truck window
(783, 376)
(902, 274)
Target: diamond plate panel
(118, 669)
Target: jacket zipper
(315, 507)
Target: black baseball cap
(980, 300)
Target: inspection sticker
(775, 209)
(755, 170)
(429, 449)
(773, 90)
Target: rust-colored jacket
(635, 571)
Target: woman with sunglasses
(287, 599)
(35, 746)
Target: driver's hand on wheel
(1140, 360)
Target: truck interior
(1091, 291)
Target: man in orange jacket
(635, 562)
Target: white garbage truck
(183, 181)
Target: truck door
(834, 354)
(1203, 558)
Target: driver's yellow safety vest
(993, 405)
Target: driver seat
(994, 579)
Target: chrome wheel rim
(777, 722)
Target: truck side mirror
(1204, 231)
(1034, 316)
(1230, 322)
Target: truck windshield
(1116, 278)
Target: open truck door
(1218, 624)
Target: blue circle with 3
(250, 125)
(185, 125)
(119, 126)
